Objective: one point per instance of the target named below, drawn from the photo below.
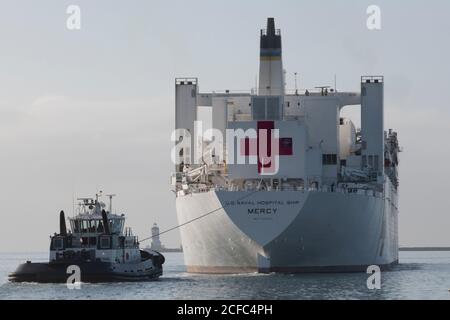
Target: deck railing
(329, 189)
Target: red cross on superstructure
(262, 147)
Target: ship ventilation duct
(62, 224)
(105, 222)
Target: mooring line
(198, 218)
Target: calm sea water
(420, 275)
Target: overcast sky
(93, 109)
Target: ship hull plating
(149, 268)
(89, 272)
(288, 231)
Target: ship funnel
(105, 222)
(62, 224)
(271, 26)
(271, 75)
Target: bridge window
(75, 226)
(259, 108)
(84, 241)
(266, 108)
(58, 243)
(273, 108)
(105, 242)
(329, 159)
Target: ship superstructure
(291, 184)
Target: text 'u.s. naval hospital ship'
(282, 182)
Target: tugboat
(98, 244)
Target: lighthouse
(156, 243)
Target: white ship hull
(288, 231)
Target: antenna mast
(110, 196)
(295, 79)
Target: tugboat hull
(89, 272)
(57, 272)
